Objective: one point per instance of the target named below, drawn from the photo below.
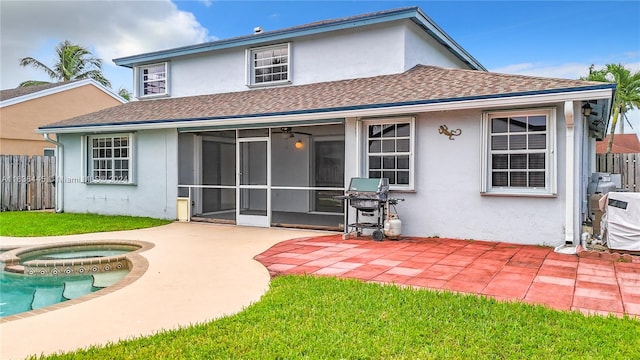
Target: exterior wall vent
(257, 30)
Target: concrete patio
(530, 274)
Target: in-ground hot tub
(77, 258)
(35, 277)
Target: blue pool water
(25, 293)
(20, 293)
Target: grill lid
(368, 185)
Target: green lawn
(32, 223)
(303, 317)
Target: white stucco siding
(208, 73)
(447, 200)
(421, 48)
(374, 50)
(348, 54)
(155, 191)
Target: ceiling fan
(288, 133)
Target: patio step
(46, 296)
(77, 288)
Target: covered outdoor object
(623, 221)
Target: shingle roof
(622, 144)
(421, 84)
(21, 91)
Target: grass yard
(31, 223)
(304, 317)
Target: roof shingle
(419, 84)
(22, 91)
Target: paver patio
(531, 274)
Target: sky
(558, 39)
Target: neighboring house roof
(26, 90)
(419, 85)
(411, 13)
(21, 94)
(622, 144)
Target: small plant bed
(304, 317)
(30, 223)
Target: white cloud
(206, 3)
(110, 29)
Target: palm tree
(124, 93)
(627, 91)
(74, 62)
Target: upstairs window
(110, 158)
(520, 152)
(269, 65)
(153, 80)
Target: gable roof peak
(412, 13)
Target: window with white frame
(110, 158)
(153, 80)
(389, 151)
(519, 148)
(269, 65)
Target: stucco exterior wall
(417, 50)
(18, 122)
(447, 201)
(156, 174)
(345, 54)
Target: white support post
(569, 174)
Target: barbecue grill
(369, 198)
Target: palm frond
(29, 61)
(32, 83)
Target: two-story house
(266, 129)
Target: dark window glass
(403, 178)
(536, 161)
(536, 179)
(499, 125)
(518, 124)
(518, 179)
(518, 161)
(500, 179)
(375, 162)
(499, 161)
(517, 142)
(499, 142)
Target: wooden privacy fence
(627, 165)
(27, 183)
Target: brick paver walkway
(531, 274)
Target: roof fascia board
(357, 111)
(234, 125)
(414, 14)
(61, 88)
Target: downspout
(569, 174)
(59, 182)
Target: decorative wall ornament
(450, 133)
